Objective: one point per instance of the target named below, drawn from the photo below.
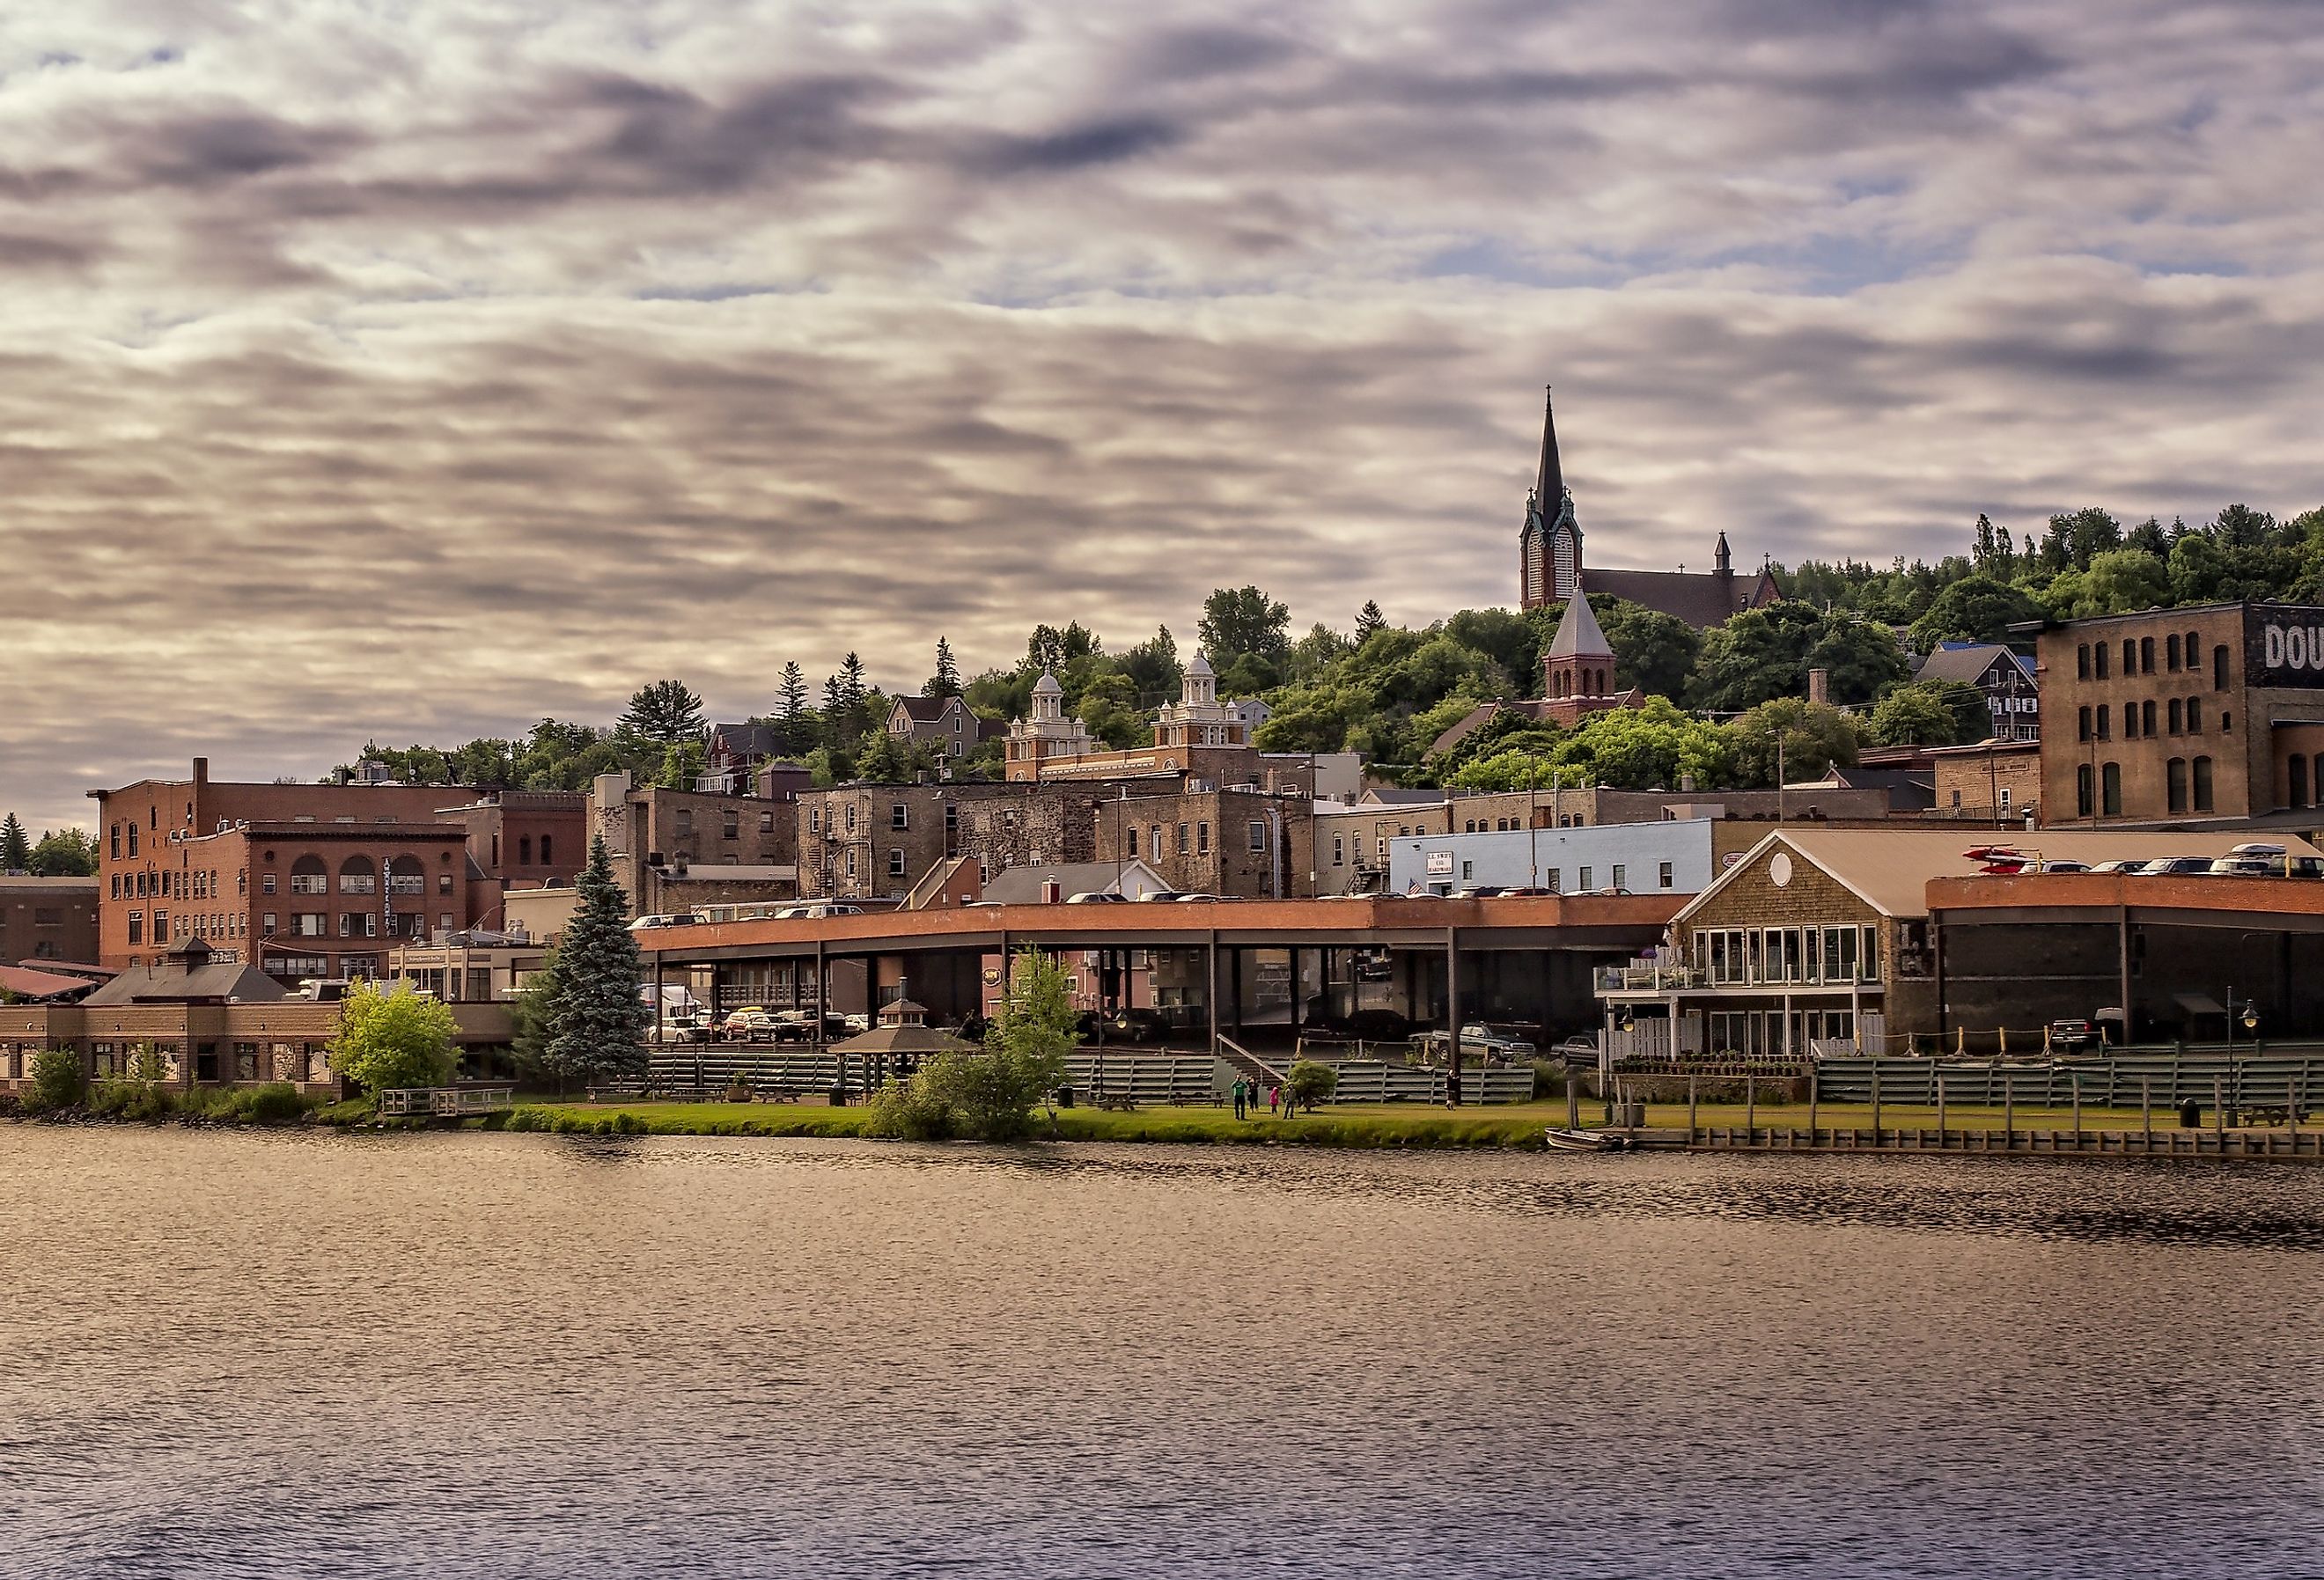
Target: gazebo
(902, 1038)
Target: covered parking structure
(2168, 953)
(1263, 974)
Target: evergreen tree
(600, 1022)
(851, 680)
(793, 694)
(945, 682)
(664, 711)
(15, 846)
(1369, 619)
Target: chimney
(1819, 686)
(201, 771)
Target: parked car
(2175, 864)
(2059, 867)
(1477, 1037)
(1481, 892)
(1206, 898)
(1162, 896)
(692, 1026)
(751, 1024)
(855, 1022)
(2072, 1033)
(817, 909)
(1138, 1026)
(682, 919)
(1096, 897)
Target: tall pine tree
(598, 1026)
(794, 694)
(1369, 619)
(945, 682)
(15, 846)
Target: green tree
(682, 763)
(1930, 713)
(1369, 619)
(1654, 652)
(58, 1082)
(15, 846)
(892, 759)
(533, 1018)
(1651, 746)
(1238, 621)
(993, 1094)
(67, 852)
(665, 711)
(1310, 1083)
(391, 1039)
(945, 682)
(601, 1019)
(851, 688)
(1814, 737)
(1976, 608)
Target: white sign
(1439, 862)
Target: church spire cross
(1549, 480)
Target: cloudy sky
(415, 369)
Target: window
(2082, 662)
(266, 925)
(730, 824)
(1582, 881)
(685, 824)
(136, 927)
(1663, 875)
(952, 819)
(900, 816)
(1257, 835)
(2170, 652)
(2110, 790)
(2194, 716)
(1130, 843)
(1203, 840)
(2082, 724)
(1154, 841)
(814, 819)
(2130, 721)
(851, 860)
(2298, 773)
(2147, 655)
(308, 924)
(2129, 658)
(851, 816)
(895, 862)
(1338, 852)
(117, 842)
(2106, 726)
(2178, 713)
(2220, 670)
(2099, 654)
(2174, 785)
(2227, 721)
(2005, 800)
(2146, 718)
(766, 825)
(2082, 801)
(443, 883)
(1621, 876)
(161, 927)
(2203, 784)
(1185, 839)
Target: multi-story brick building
(876, 841)
(1995, 781)
(317, 878)
(651, 832)
(1241, 844)
(48, 918)
(1348, 845)
(521, 839)
(2194, 715)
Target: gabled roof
(744, 739)
(1968, 663)
(1022, 885)
(167, 984)
(926, 710)
(1701, 598)
(1578, 634)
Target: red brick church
(1550, 564)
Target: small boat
(1586, 1141)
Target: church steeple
(1549, 549)
(1722, 562)
(1549, 480)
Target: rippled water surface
(229, 1355)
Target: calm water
(526, 1356)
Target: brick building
(521, 839)
(1348, 845)
(317, 878)
(2204, 714)
(876, 841)
(651, 833)
(1995, 781)
(1238, 844)
(48, 918)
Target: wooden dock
(453, 1102)
(2280, 1146)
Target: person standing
(1239, 1097)
(1274, 1099)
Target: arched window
(524, 850)
(2106, 723)
(2219, 667)
(2082, 723)
(2175, 785)
(2178, 713)
(2082, 662)
(2203, 784)
(2146, 717)
(357, 875)
(2129, 657)
(2298, 775)
(2147, 655)
(2194, 651)
(2082, 790)
(2130, 721)
(546, 859)
(2194, 716)
(309, 875)
(406, 874)
(2110, 788)
(2170, 652)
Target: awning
(2198, 1004)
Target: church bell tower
(1549, 548)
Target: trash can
(1064, 1096)
(839, 1096)
(1634, 1114)
(2191, 1115)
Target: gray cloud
(421, 377)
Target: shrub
(626, 1123)
(909, 1111)
(276, 1103)
(1311, 1083)
(135, 1101)
(397, 1039)
(58, 1083)
(528, 1118)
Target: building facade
(2013, 696)
(2195, 715)
(944, 725)
(1238, 844)
(878, 841)
(651, 833)
(1636, 858)
(48, 918)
